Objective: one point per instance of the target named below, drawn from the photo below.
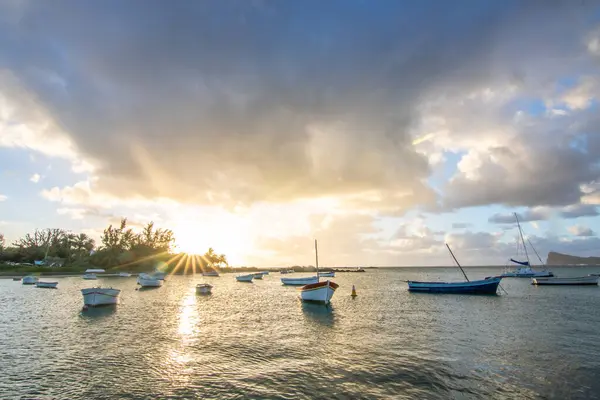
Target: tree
(215, 260)
(2, 243)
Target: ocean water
(257, 340)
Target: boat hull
(299, 281)
(541, 274)
(90, 277)
(95, 297)
(327, 274)
(124, 274)
(245, 278)
(149, 282)
(29, 280)
(485, 286)
(47, 285)
(203, 289)
(578, 281)
(258, 276)
(320, 292)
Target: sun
(225, 235)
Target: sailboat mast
(317, 259)
(457, 263)
(522, 239)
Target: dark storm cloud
(239, 101)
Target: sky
(382, 129)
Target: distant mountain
(565, 259)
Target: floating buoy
(353, 291)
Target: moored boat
(245, 278)
(320, 292)
(527, 272)
(300, 281)
(258, 275)
(16, 279)
(89, 277)
(485, 286)
(145, 280)
(328, 274)
(124, 274)
(210, 273)
(203, 288)
(48, 285)
(29, 280)
(579, 281)
(93, 297)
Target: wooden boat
(90, 277)
(320, 292)
(29, 280)
(245, 278)
(258, 276)
(203, 288)
(525, 271)
(145, 280)
(485, 286)
(300, 281)
(93, 297)
(210, 273)
(124, 274)
(328, 274)
(48, 285)
(580, 280)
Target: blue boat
(488, 285)
(485, 286)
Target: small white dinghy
(47, 285)
(309, 280)
(320, 292)
(145, 280)
(203, 288)
(245, 278)
(30, 280)
(94, 297)
(579, 281)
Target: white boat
(145, 280)
(300, 281)
(580, 280)
(245, 278)
(525, 271)
(258, 275)
(320, 292)
(203, 288)
(328, 274)
(93, 297)
(210, 273)
(124, 274)
(49, 285)
(30, 280)
(90, 277)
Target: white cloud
(35, 178)
(3, 197)
(580, 230)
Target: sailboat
(525, 271)
(320, 292)
(485, 286)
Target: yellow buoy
(353, 291)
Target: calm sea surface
(257, 340)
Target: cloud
(461, 225)
(3, 197)
(534, 214)
(227, 103)
(35, 178)
(579, 210)
(583, 231)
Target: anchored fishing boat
(258, 275)
(484, 286)
(320, 292)
(525, 271)
(210, 273)
(244, 278)
(29, 280)
(145, 280)
(94, 297)
(328, 274)
(203, 288)
(575, 281)
(47, 285)
(300, 281)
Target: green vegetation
(121, 249)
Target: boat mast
(523, 240)
(317, 259)
(457, 263)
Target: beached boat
(258, 276)
(525, 270)
(485, 286)
(124, 274)
(145, 280)
(320, 292)
(89, 277)
(580, 280)
(30, 280)
(328, 274)
(244, 278)
(300, 281)
(93, 297)
(210, 273)
(203, 288)
(47, 285)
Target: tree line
(120, 247)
